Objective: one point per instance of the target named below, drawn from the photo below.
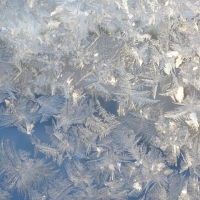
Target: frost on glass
(115, 84)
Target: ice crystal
(119, 82)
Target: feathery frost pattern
(117, 82)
